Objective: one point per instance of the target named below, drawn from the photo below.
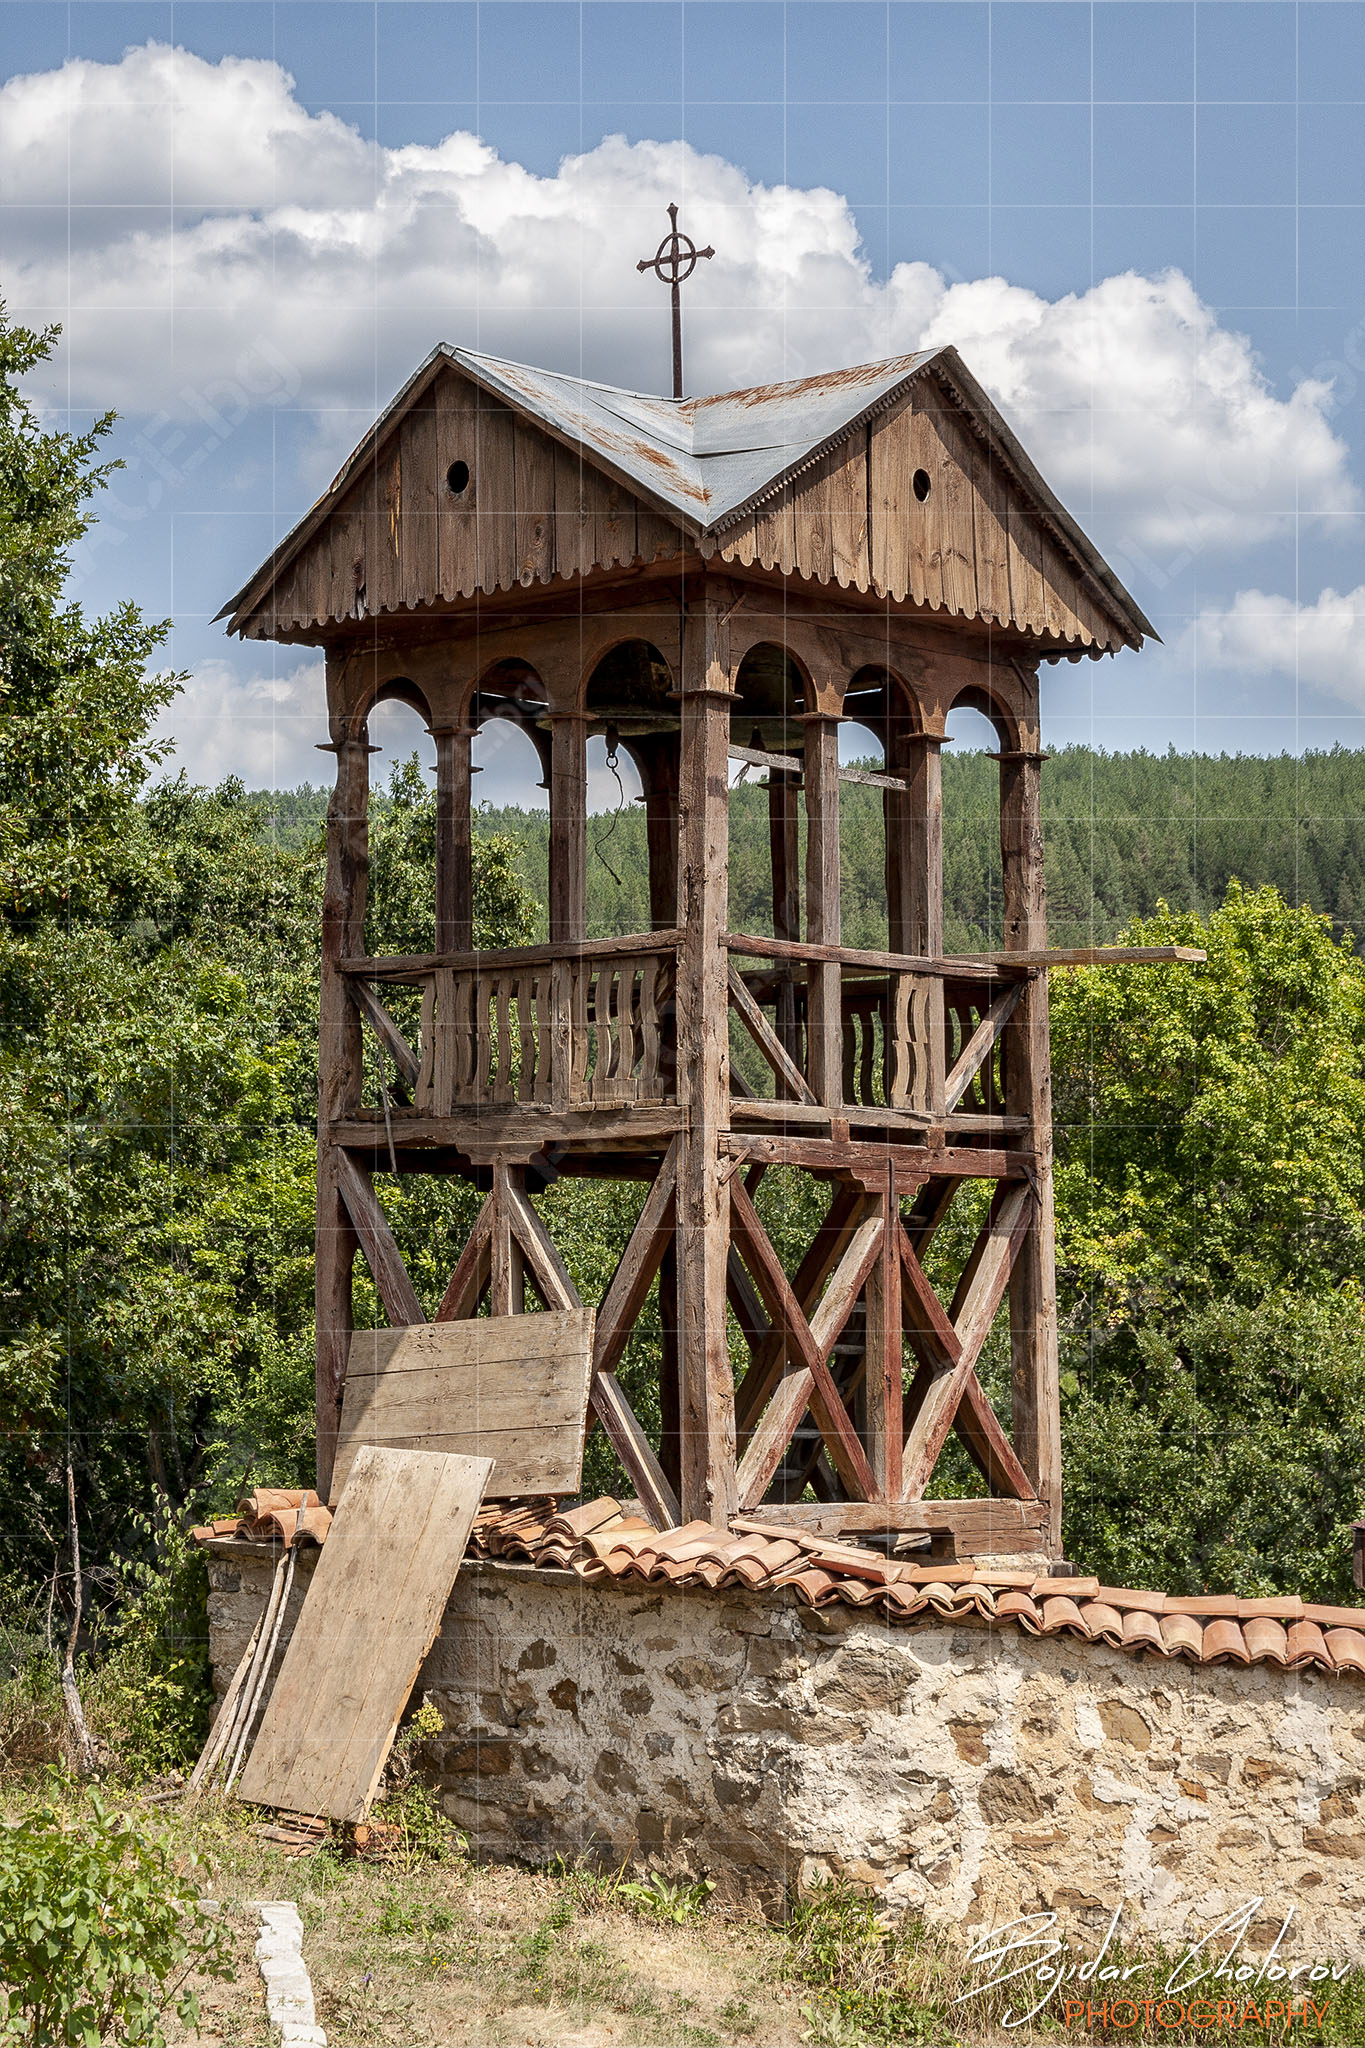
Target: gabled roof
(710, 460)
(705, 461)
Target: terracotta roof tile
(1182, 1636)
(1224, 1643)
(593, 1513)
(1307, 1646)
(1142, 1630)
(1346, 1647)
(1127, 1600)
(1284, 1607)
(860, 1593)
(815, 1587)
(601, 1539)
(1018, 1606)
(1266, 1639)
(1334, 1617)
(1206, 1607)
(1061, 1612)
(1103, 1623)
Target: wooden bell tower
(713, 579)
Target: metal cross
(676, 257)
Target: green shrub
(424, 1833)
(98, 1932)
(149, 1684)
(872, 1983)
(657, 1899)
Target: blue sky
(1143, 221)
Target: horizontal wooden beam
(792, 764)
(874, 779)
(515, 1128)
(1099, 956)
(401, 966)
(785, 764)
(869, 1159)
(978, 1527)
(963, 966)
(873, 1115)
(977, 968)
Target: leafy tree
(1211, 1243)
(76, 702)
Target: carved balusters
(565, 1033)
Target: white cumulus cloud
(1321, 644)
(199, 232)
(263, 727)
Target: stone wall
(971, 1774)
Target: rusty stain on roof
(601, 1540)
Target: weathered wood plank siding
(400, 538)
(974, 546)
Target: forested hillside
(1123, 832)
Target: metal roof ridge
(473, 355)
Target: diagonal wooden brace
(810, 1384)
(638, 1264)
(980, 1046)
(624, 1298)
(371, 1226)
(547, 1268)
(473, 1271)
(385, 1030)
(934, 1401)
(823, 1255)
(766, 1039)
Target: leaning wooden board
(371, 1615)
(510, 1388)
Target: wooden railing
(832, 1031)
(920, 1041)
(566, 1027)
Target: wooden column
(825, 1026)
(914, 879)
(568, 825)
(670, 1390)
(707, 1416)
(454, 841)
(657, 760)
(340, 1074)
(784, 845)
(1028, 1093)
(884, 1358)
(507, 1266)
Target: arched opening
(973, 890)
(618, 841)
(767, 839)
(510, 851)
(400, 908)
(632, 795)
(862, 828)
(767, 842)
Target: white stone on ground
(288, 1990)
